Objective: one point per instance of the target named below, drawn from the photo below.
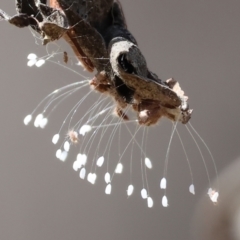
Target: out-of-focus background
(196, 42)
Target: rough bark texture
(98, 34)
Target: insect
(65, 57)
(73, 136)
(98, 34)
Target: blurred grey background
(196, 42)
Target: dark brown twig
(97, 32)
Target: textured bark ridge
(97, 32)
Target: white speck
(79, 64)
(38, 120)
(63, 156)
(85, 129)
(101, 112)
(27, 119)
(37, 4)
(107, 177)
(89, 177)
(82, 173)
(144, 193)
(76, 165)
(150, 202)
(130, 190)
(66, 146)
(82, 158)
(40, 62)
(148, 163)
(164, 201)
(31, 56)
(184, 105)
(55, 138)
(100, 161)
(192, 189)
(119, 168)
(213, 195)
(43, 123)
(163, 183)
(58, 153)
(92, 177)
(108, 189)
(31, 62)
